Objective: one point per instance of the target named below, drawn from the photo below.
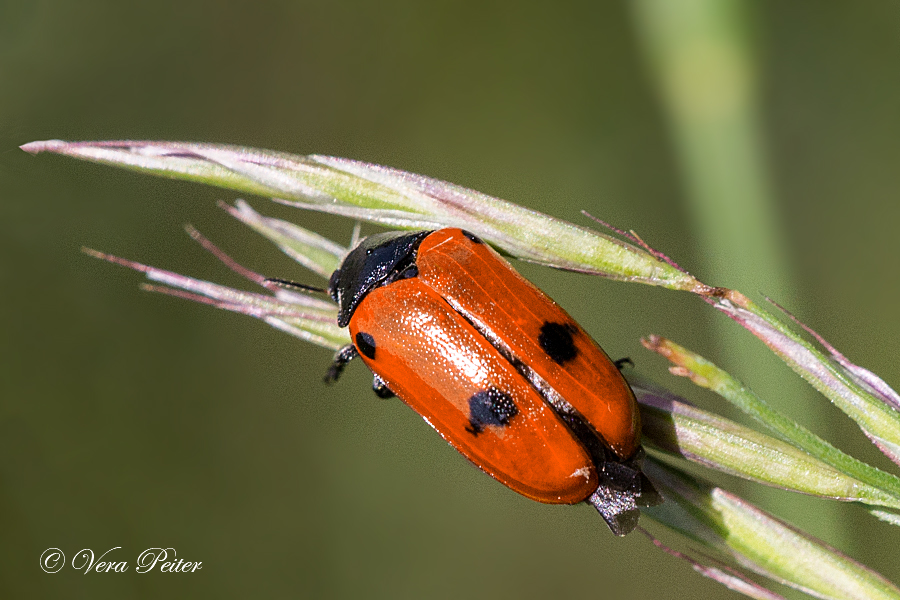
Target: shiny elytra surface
(490, 291)
(425, 347)
(435, 361)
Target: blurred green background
(138, 421)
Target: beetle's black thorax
(376, 261)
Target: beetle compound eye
(490, 407)
(333, 285)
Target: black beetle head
(376, 261)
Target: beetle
(496, 367)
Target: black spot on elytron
(490, 407)
(556, 340)
(366, 344)
(472, 237)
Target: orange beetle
(503, 373)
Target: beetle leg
(620, 364)
(380, 388)
(343, 356)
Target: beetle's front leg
(341, 358)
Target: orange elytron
(496, 367)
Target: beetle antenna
(293, 285)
